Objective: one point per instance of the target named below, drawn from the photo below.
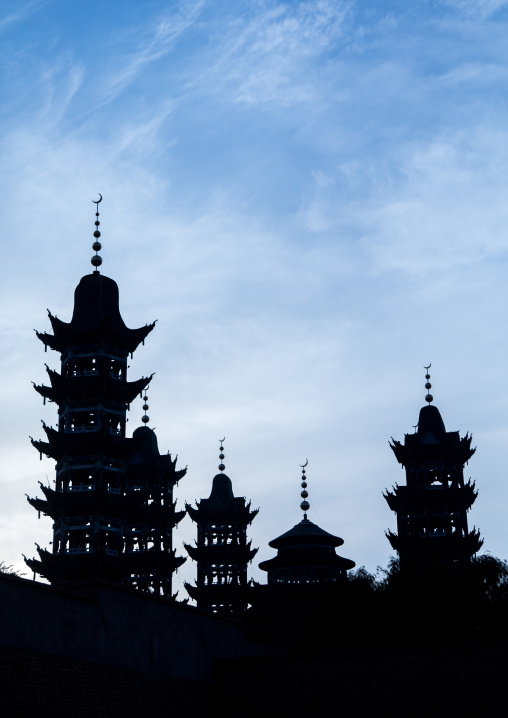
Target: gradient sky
(310, 197)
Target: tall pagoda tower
(222, 551)
(112, 504)
(432, 507)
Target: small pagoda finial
(222, 466)
(305, 506)
(429, 398)
(145, 419)
(96, 246)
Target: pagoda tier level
(114, 521)
(112, 503)
(96, 320)
(222, 551)
(111, 565)
(98, 383)
(432, 507)
(300, 577)
(306, 555)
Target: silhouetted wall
(109, 652)
(110, 625)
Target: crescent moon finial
(221, 440)
(304, 465)
(97, 201)
(427, 367)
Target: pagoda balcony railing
(111, 552)
(82, 487)
(84, 429)
(115, 432)
(85, 372)
(114, 490)
(79, 549)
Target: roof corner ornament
(429, 398)
(305, 506)
(222, 466)
(97, 246)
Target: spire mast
(429, 398)
(97, 246)
(305, 506)
(145, 418)
(221, 466)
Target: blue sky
(310, 197)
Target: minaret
(107, 486)
(148, 524)
(222, 552)
(306, 554)
(432, 508)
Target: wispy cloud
(445, 207)
(476, 8)
(269, 53)
(159, 39)
(19, 13)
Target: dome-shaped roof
(148, 450)
(221, 495)
(430, 424)
(95, 298)
(308, 532)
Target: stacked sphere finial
(429, 398)
(97, 246)
(145, 419)
(305, 506)
(222, 466)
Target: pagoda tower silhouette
(112, 505)
(432, 507)
(222, 552)
(306, 553)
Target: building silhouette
(222, 551)
(432, 507)
(306, 553)
(313, 643)
(112, 505)
(301, 576)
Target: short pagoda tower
(222, 551)
(304, 576)
(432, 507)
(112, 504)
(306, 553)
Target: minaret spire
(432, 507)
(112, 504)
(97, 246)
(429, 398)
(222, 551)
(305, 506)
(145, 419)
(221, 466)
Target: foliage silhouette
(436, 604)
